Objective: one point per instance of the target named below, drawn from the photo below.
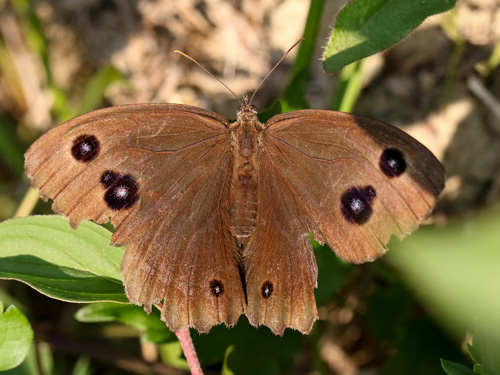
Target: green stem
(28, 203)
(294, 94)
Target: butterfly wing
(279, 260)
(360, 179)
(162, 174)
(350, 181)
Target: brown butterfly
(216, 214)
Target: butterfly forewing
(360, 179)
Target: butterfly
(216, 214)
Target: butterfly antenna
(210, 74)
(275, 66)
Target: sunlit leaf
(60, 262)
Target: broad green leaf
(16, 336)
(455, 271)
(60, 262)
(453, 368)
(365, 27)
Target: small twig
(189, 351)
(485, 96)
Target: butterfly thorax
(246, 133)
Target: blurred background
(424, 301)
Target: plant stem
(189, 351)
(28, 203)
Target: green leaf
(473, 353)
(365, 27)
(454, 270)
(60, 262)
(153, 329)
(478, 368)
(134, 316)
(38, 361)
(16, 336)
(453, 368)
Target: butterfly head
(246, 107)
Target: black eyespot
(108, 178)
(85, 148)
(356, 204)
(217, 288)
(123, 193)
(392, 162)
(267, 289)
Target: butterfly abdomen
(244, 184)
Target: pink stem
(189, 351)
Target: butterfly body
(246, 136)
(216, 215)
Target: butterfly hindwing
(281, 271)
